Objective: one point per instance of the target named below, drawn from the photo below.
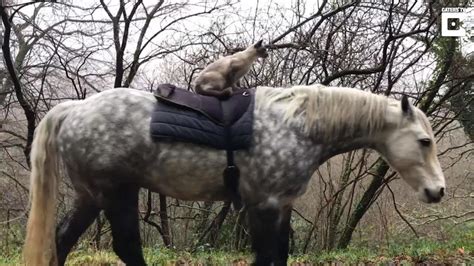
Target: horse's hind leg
(264, 230)
(73, 225)
(122, 213)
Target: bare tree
(55, 52)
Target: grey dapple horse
(104, 145)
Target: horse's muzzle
(434, 195)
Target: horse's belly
(188, 172)
(193, 188)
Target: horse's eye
(425, 142)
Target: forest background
(355, 205)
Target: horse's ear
(406, 106)
(258, 44)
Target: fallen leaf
(240, 262)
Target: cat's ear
(258, 44)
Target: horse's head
(409, 147)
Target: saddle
(181, 115)
(220, 112)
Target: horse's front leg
(284, 236)
(264, 232)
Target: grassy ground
(429, 253)
(457, 250)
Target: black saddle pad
(180, 115)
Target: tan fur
(343, 111)
(220, 77)
(40, 248)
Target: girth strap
(231, 172)
(231, 182)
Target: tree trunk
(381, 169)
(217, 224)
(27, 109)
(337, 210)
(164, 221)
(240, 226)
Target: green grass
(159, 256)
(459, 248)
(421, 251)
(156, 256)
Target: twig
(399, 213)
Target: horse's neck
(337, 119)
(360, 140)
(345, 145)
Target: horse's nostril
(434, 196)
(427, 193)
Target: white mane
(328, 112)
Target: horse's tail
(40, 242)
